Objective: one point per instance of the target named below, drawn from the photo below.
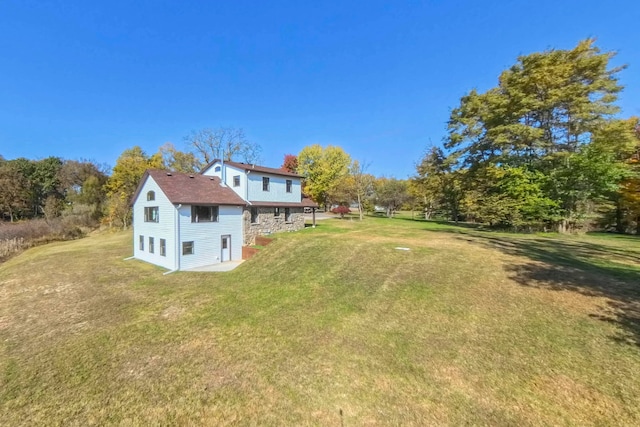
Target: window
(217, 169)
(141, 243)
(265, 183)
(287, 214)
(254, 215)
(151, 214)
(289, 184)
(236, 180)
(204, 214)
(151, 195)
(276, 211)
(151, 248)
(187, 248)
(163, 247)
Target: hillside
(328, 325)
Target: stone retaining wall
(268, 223)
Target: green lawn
(327, 326)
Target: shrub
(341, 210)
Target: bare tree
(222, 143)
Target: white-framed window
(151, 195)
(287, 214)
(163, 247)
(141, 243)
(254, 216)
(151, 245)
(151, 214)
(265, 183)
(289, 185)
(217, 169)
(187, 248)
(236, 180)
(204, 213)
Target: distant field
(327, 326)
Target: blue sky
(89, 79)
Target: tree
(391, 194)
(322, 169)
(127, 172)
(290, 163)
(15, 196)
(541, 118)
(179, 161)
(363, 184)
(222, 143)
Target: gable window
(187, 248)
(204, 214)
(289, 185)
(151, 246)
(265, 183)
(163, 247)
(217, 169)
(141, 243)
(151, 214)
(236, 180)
(276, 211)
(254, 215)
(151, 195)
(287, 214)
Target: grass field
(328, 326)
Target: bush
(341, 210)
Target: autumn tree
(322, 169)
(127, 172)
(15, 195)
(179, 161)
(290, 163)
(222, 143)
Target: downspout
(177, 227)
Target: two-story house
(183, 221)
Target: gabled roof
(251, 167)
(191, 189)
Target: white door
(225, 244)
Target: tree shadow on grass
(589, 268)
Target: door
(225, 244)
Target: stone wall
(268, 223)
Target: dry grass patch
(326, 326)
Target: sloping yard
(327, 326)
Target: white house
(183, 221)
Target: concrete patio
(220, 267)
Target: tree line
(544, 149)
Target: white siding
(207, 236)
(229, 173)
(277, 188)
(163, 229)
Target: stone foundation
(268, 223)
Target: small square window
(236, 180)
(289, 185)
(141, 245)
(187, 248)
(151, 195)
(151, 246)
(254, 215)
(163, 247)
(265, 183)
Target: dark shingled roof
(250, 167)
(191, 188)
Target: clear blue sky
(88, 79)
